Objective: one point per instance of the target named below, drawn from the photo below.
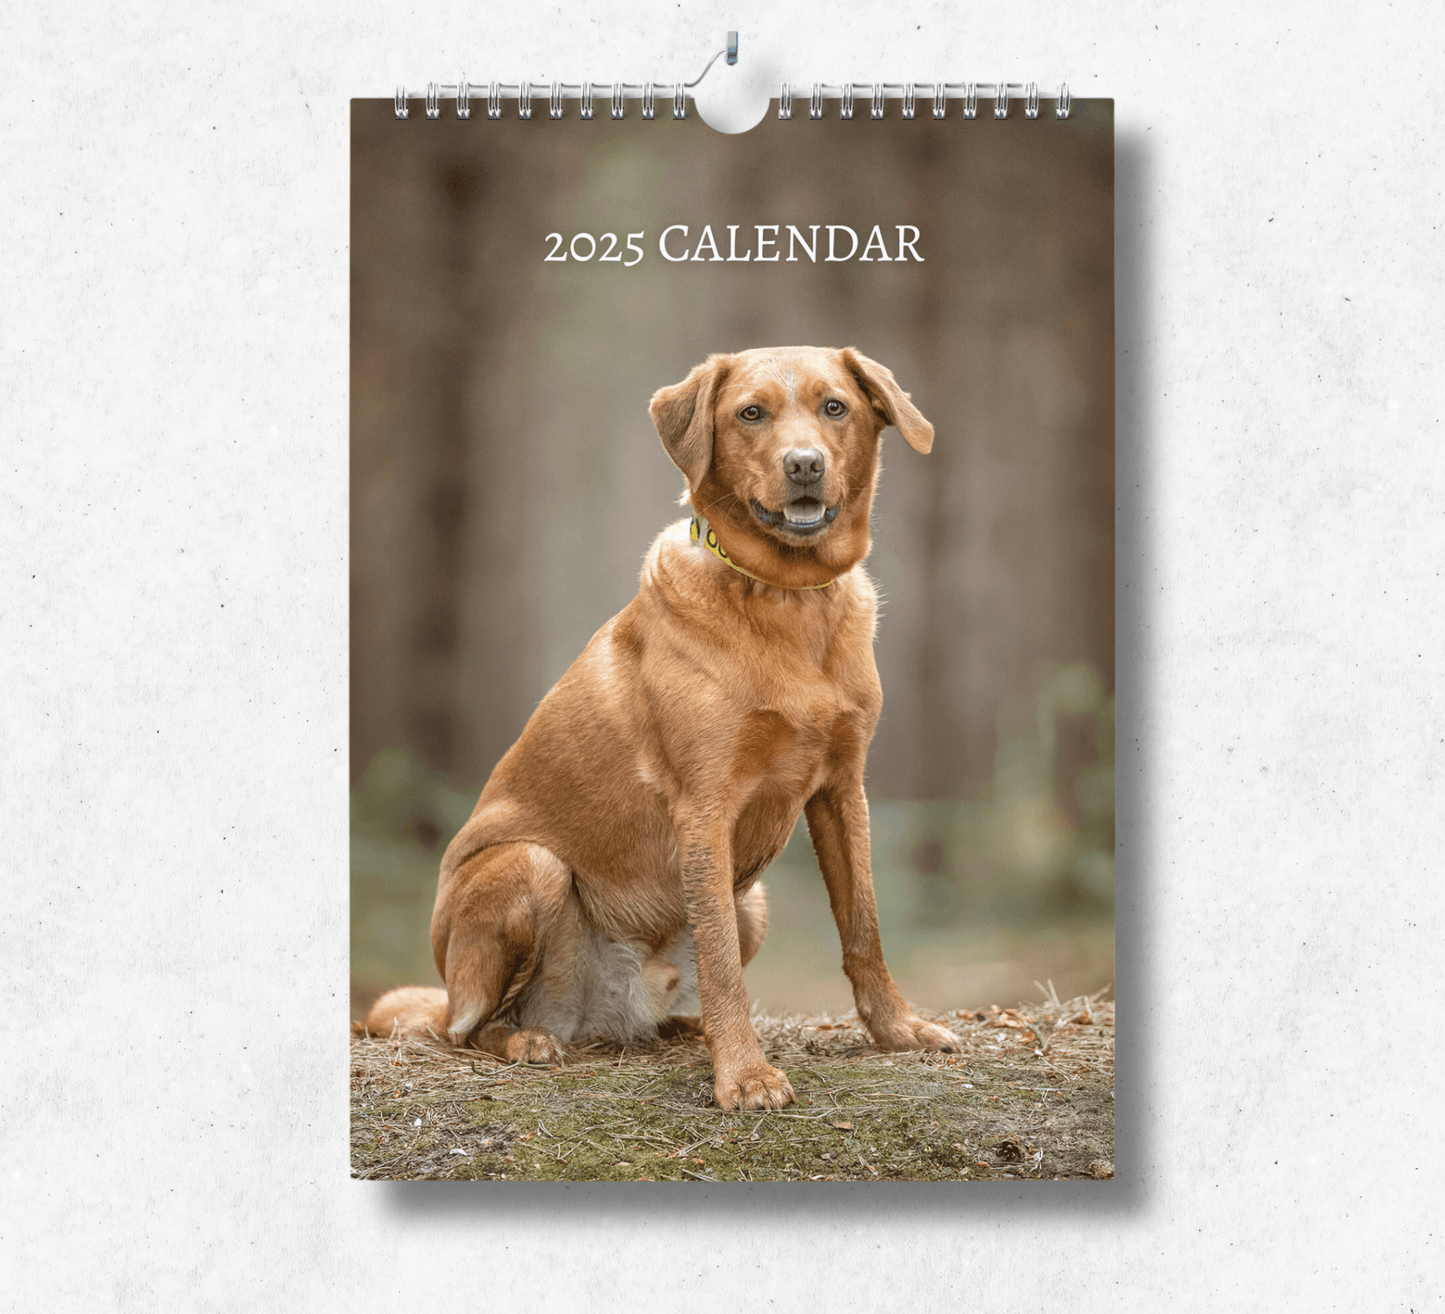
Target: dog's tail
(407, 1011)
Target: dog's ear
(889, 400)
(682, 415)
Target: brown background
(506, 480)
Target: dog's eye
(834, 407)
(751, 413)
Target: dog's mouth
(803, 516)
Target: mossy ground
(1030, 1095)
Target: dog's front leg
(838, 822)
(744, 1079)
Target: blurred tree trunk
(505, 477)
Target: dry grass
(1029, 1095)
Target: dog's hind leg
(752, 906)
(494, 914)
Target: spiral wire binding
(619, 92)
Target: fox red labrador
(607, 879)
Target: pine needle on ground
(1029, 1095)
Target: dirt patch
(1030, 1095)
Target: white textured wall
(173, 510)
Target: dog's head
(780, 449)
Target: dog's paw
(912, 1032)
(930, 1035)
(534, 1045)
(760, 1086)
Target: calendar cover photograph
(732, 645)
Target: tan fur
(668, 766)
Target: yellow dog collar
(702, 532)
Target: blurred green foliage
(1038, 842)
(1034, 848)
(403, 815)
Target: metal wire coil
(619, 93)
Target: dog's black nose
(804, 465)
